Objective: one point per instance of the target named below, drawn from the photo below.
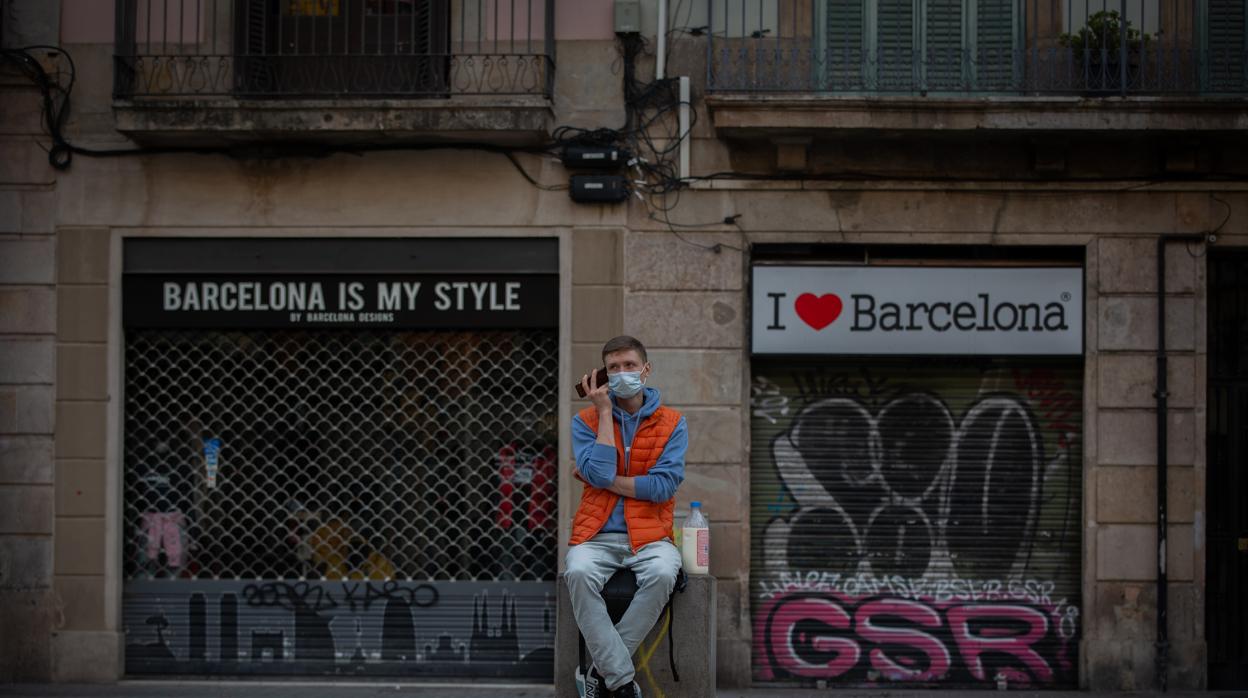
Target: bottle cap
(695, 504)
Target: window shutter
(1225, 54)
(933, 45)
(943, 55)
(995, 45)
(895, 49)
(845, 32)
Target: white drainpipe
(660, 58)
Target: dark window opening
(378, 48)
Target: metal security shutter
(916, 521)
(383, 503)
(345, 462)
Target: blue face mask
(625, 384)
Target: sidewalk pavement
(331, 689)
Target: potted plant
(1096, 52)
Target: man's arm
(595, 461)
(659, 485)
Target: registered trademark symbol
(1065, 297)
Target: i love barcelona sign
(917, 310)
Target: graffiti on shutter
(916, 522)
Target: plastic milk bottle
(695, 542)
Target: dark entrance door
(1227, 485)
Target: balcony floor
(787, 114)
(212, 121)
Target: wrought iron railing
(333, 48)
(978, 47)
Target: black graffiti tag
(998, 466)
(899, 490)
(301, 595)
(420, 596)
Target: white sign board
(918, 310)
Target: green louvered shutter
(895, 47)
(845, 32)
(1225, 54)
(995, 45)
(943, 47)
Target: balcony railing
(978, 47)
(333, 48)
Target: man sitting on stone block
(630, 453)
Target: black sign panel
(394, 301)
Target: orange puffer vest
(647, 521)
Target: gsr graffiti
(825, 635)
(917, 524)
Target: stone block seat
(692, 632)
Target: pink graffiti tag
(866, 624)
(827, 635)
(973, 645)
(797, 624)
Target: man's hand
(624, 486)
(600, 396)
(597, 394)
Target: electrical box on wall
(598, 189)
(627, 16)
(589, 157)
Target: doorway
(1227, 484)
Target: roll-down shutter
(347, 465)
(916, 521)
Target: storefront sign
(918, 310)
(389, 301)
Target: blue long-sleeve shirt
(596, 462)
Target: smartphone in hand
(600, 379)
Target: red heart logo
(818, 311)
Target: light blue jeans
(589, 566)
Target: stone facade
(28, 304)
(685, 296)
